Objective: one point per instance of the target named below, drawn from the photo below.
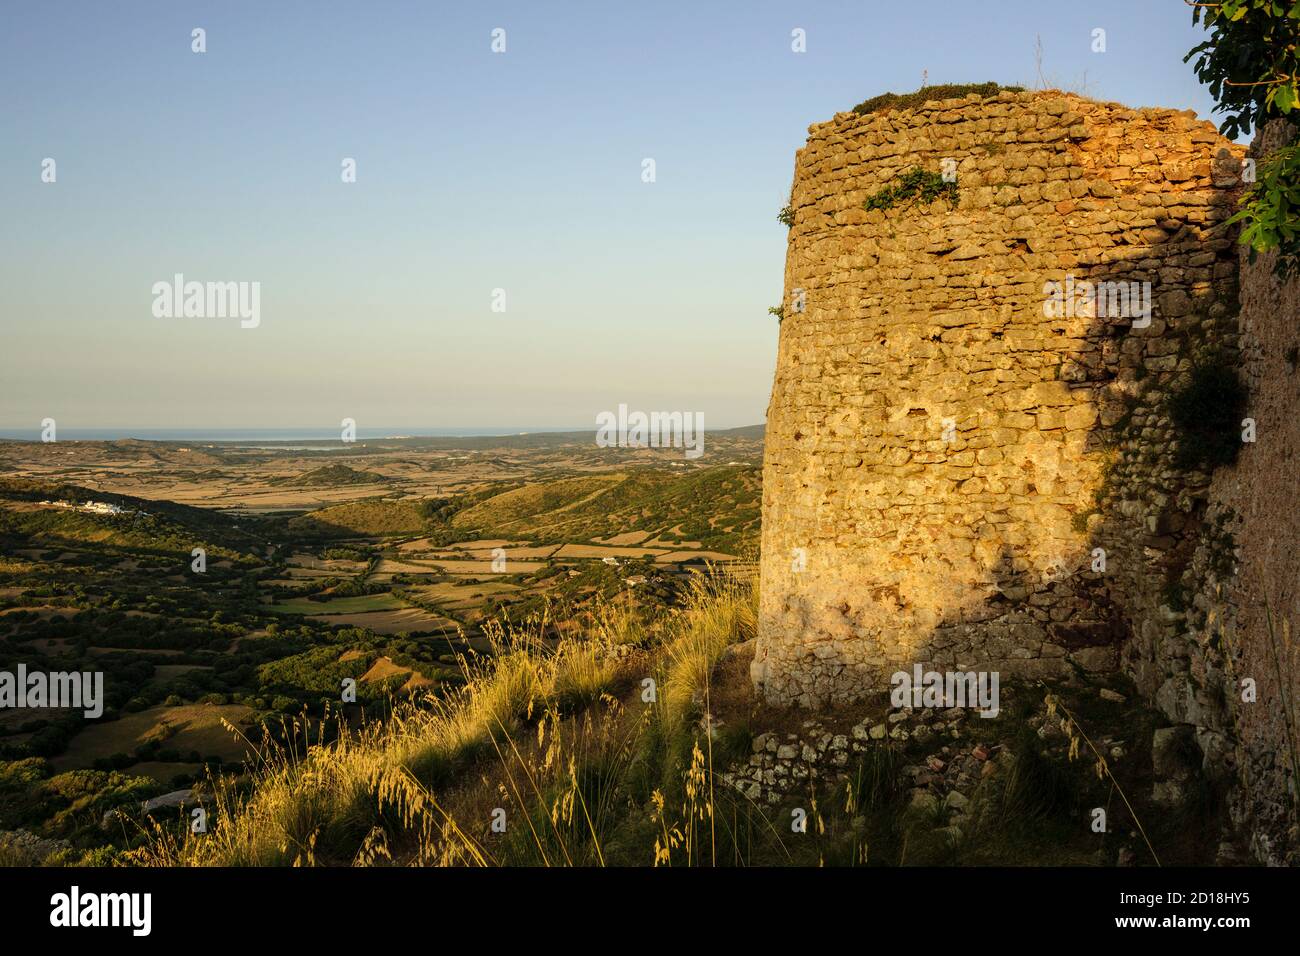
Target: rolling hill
(652, 500)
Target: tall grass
(599, 751)
(539, 722)
(309, 802)
(719, 611)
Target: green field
(188, 728)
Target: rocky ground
(1033, 776)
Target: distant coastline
(248, 436)
(270, 434)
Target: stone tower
(954, 381)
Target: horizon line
(317, 433)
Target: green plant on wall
(1270, 210)
(915, 184)
(944, 91)
(1251, 63)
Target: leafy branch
(1270, 210)
(1251, 63)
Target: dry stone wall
(947, 459)
(1232, 681)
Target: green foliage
(944, 91)
(786, 216)
(68, 805)
(778, 311)
(1251, 63)
(915, 184)
(316, 672)
(1270, 210)
(1207, 411)
(20, 774)
(346, 554)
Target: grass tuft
(944, 91)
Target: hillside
(330, 476)
(143, 523)
(372, 516)
(663, 503)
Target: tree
(1251, 63)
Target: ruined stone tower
(965, 467)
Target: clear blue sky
(475, 171)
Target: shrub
(944, 91)
(1270, 210)
(915, 184)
